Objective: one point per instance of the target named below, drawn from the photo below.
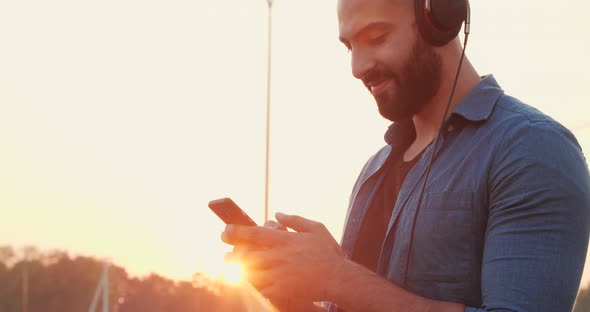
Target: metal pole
(101, 289)
(105, 288)
(268, 110)
(25, 289)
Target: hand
(282, 304)
(283, 264)
(240, 248)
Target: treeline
(55, 282)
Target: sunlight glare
(233, 273)
(227, 272)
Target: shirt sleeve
(538, 222)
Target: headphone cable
(435, 146)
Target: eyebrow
(369, 27)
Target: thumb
(299, 224)
(275, 225)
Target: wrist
(337, 279)
(354, 287)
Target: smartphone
(229, 212)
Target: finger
(240, 249)
(260, 279)
(275, 225)
(254, 259)
(253, 235)
(249, 264)
(300, 224)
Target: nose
(361, 63)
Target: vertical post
(268, 109)
(25, 289)
(105, 288)
(101, 289)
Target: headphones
(439, 21)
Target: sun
(213, 270)
(232, 273)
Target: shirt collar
(400, 134)
(479, 103)
(476, 106)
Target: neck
(429, 118)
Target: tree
(6, 255)
(58, 282)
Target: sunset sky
(121, 119)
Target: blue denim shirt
(505, 217)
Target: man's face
(389, 56)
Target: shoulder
(532, 144)
(513, 111)
(519, 123)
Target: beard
(416, 84)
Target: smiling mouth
(378, 87)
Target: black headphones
(439, 21)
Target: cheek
(397, 51)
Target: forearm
(356, 288)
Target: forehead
(353, 15)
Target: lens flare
(221, 271)
(228, 282)
(233, 273)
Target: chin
(395, 113)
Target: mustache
(377, 75)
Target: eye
(377, 39)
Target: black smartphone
(229, 212)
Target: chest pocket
(443, 238)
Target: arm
(538, 223)
(358, 289)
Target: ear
(439, 21)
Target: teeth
(376, 85)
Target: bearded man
(488, 211)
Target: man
(502, 223)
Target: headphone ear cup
(443, 22)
